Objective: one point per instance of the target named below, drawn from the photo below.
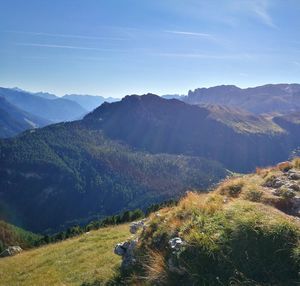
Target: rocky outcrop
(11, 251)
(126, 250)
(287, 186)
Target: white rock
(11, 250)
(176, 243)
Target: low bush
(231, 187)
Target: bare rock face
(11, 251)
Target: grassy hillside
(83, 259)
(246, 232)
(11, 235)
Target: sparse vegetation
(253, 195)
(232, 236)
(236, 241)
(77, 261)
(231, 187)
(235, 235)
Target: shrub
(231, 187)
(253, 195)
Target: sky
(120, 47)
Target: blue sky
(119, 47)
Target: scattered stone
(10, 251)
(275, 183)
(176, 243)
(136, 225)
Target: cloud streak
(206, 56)
(257, 8)
(64, 47)
(67, 36)
(187, 33)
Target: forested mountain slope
(67, 173)
(238, 140)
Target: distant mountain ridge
(14, 120)
(44, 108)
(55, 110)
(283, 98)
(89, 102)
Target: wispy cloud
(67, 36)
(258, 8)
(206, 56)
(187, 33)
(63, 47)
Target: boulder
(11, 250)
(120, 248)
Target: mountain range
(14, 120)
(27, 110)
(132, 153)
(71, 173)
(270, 98)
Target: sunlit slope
(83, 259)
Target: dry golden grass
(82, 259)
(156, 268)
(296, 163)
